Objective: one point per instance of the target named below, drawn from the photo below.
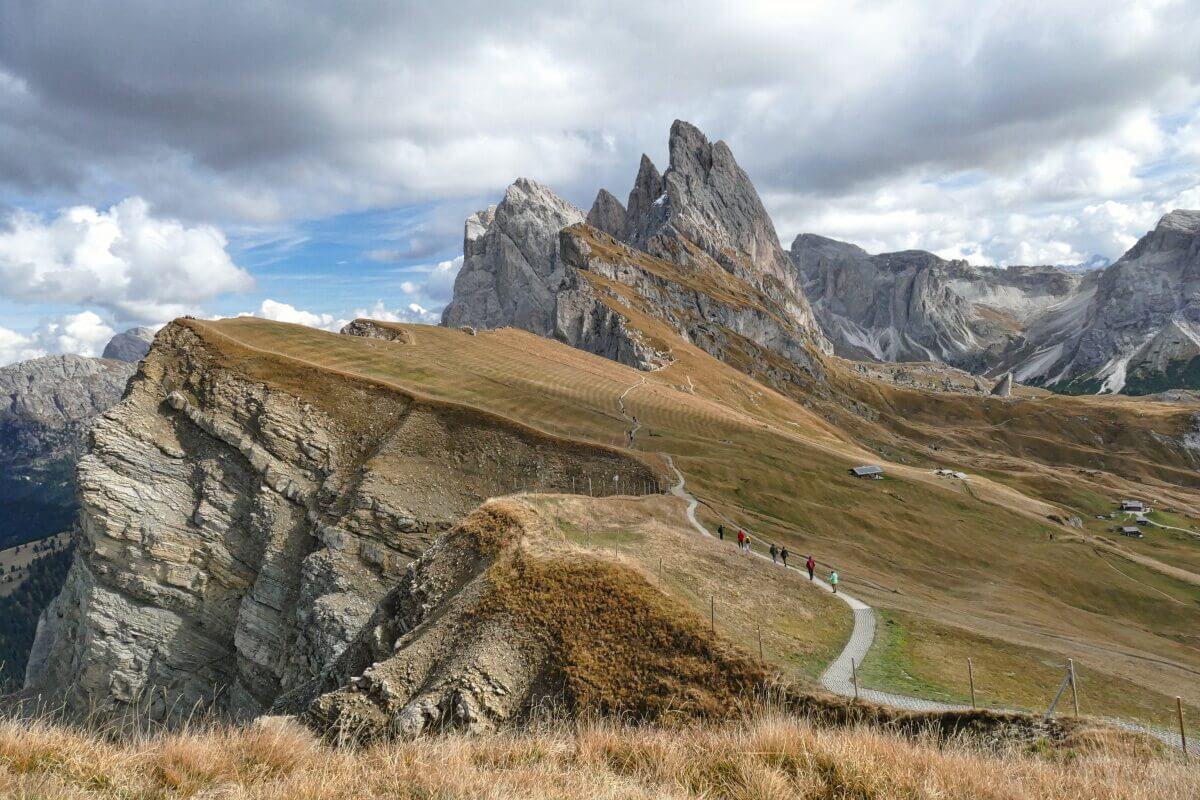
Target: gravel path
(838, 676)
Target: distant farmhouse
(868, 471)
(1130, 530)
(1134, 506)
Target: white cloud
(125, 260)
(85, 333)
(439, 282)
(906, 124)
(17, 347)
(413, 313)
(283, 312)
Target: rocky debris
(608, 215)
(131, 346)
(1003, 387)
(468, 330)
(369, 329)
(510, 261)
(1132, 327)
(235, 536)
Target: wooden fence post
(712, 613)
(760, 648)
(971, 678)
(854, 677)
(1074, 691)
(1182, 730)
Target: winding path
(838, 676)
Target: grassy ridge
(981, 561)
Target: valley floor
(767, 757)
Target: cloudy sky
(307, 162)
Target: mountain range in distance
(1129, 327)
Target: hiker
(833, 580)
(741, 540)
(747, 543)
(812, 567)
(783, 554)
(774, 553)
(721, 532)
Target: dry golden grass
(975, 557)
(767, 757)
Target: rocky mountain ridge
(48, 404)
(530, 263)
(1129, 327)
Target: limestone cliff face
(1132, 326)
(240, 525)
(131, 345)
(510, 265)
(710, 309)
(915, 306)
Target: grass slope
(978, 558)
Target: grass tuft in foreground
(766, 757)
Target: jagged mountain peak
(510, 260)
(713, 203)
(608, 215)
(644, 210)
(702, 217)
(1181, 220)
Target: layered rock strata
(236, 533)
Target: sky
(313, 162)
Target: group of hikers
(778, 555)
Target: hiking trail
(838, 678)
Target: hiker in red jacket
(741, 540)
(812, 566)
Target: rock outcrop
(1004, 386)
(131, 346)
(510, 265)
(1133, 326)
(487, 628)
(242, 517)
(705, 305)
(369, 329)
(608, 215)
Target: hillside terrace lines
(372, 377)
(510, 355)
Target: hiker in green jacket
(833, 580)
